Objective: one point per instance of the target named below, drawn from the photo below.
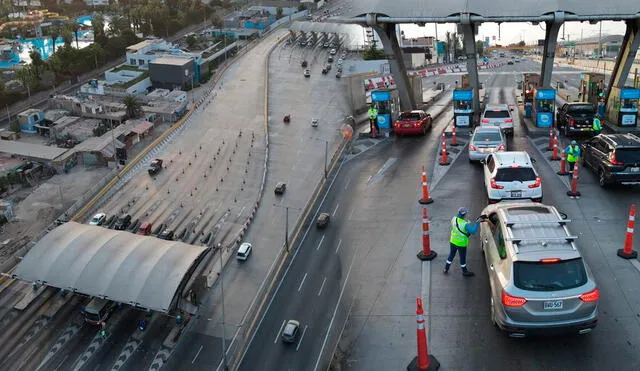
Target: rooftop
(47, 153)
(172, 60)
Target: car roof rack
(518, 240)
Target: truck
(155, 166)
(575, 117)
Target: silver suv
(498, 115)
(539, 281)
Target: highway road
(382, 231)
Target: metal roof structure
(417, 11)
(30, 150)
(138, 270)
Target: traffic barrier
(554, 155)
(444, 161)
(628, 252)
(426, 253)
(563, 164)
(425, 190)
(424, 361)
(454, 140)
(550, 146)
(574, 182)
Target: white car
(498, 115)
(511, 176)
(98, 219)
(307, 73)
(333, 52)
(244, 251)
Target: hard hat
(573, 143)
(463, 211)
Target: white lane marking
(339, 243)
(60, 364)
(334, 210)
(241, 210)
(320, 243)
(346, 186)
(322, 286)
(302, 282)
(197, 354)
(335, 311)
(279, 332)
(351, 213)
(301, 337)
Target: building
(168, 95)
(271, 7)
(589, 46)
(173, 72)
(29, 119)
(145, 51)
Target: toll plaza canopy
(138, 270)
(414, 9)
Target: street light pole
(326, 155)
(286, 228)
(224, 341)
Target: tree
(521, 43)
(36, 62)
(133, 106)
(191, 41)
(480, 47)
(373, 53)
(278, 13)
(27, 77)
(427, 54)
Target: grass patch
(126, 68)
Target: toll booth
(387, 102)
(464, 85)
(462, 107)
(530, 82)
(591, 88)
(544, 107)
(622, 107)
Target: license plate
(407, 125)
(634, 169)
(553, 305)
(516, 193)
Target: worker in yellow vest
(461, 230)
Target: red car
(412, 122)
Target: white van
(243, 251)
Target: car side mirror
(533, 160)
(511, 109)
(483, 161)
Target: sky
(515, 32)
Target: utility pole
(286, 223)
(600, 41)
(224, 341)
(9, 113)
(326, 155)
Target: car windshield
(510, 174)
(628, 155)
(410, 116)
(537, 276)
(95, 219)
(487, 137)
(496, 114)
(584, 109)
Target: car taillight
(416, 124)
(485, 121)
(472, 147)
(537, 183)
(591, 296)
(512, 301)
(550, 260)
(571, 122)
(501, 147)
(508, 120)
(494, 185)
(612, 159)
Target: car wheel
(492, 311)
(602, 179)
(424, 130)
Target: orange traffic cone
(574, 182)
(425, 190)
(563, 164)
(554, 155)
(424, 361)
(444, 161)
(628, 252)
(550, 146)
(426, 253)
(454, 140)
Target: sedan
(280, 188)
(413, 122)
(307, 73)
(486, 140)
(98, 219)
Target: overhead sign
(463, 94)
(629, 93)
(545, 94)
(380, 96)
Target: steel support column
(624, 61)
(469, 42)
(393, 53)
(550, 42)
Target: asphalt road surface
(381, 229)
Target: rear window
(410, 116)
(510, 174)
(586, 109)
(487, 137)
(536, 276)
(628, 155)
(496, 114)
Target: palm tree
(55, 32)
(133, 106)
(76, 28)
(36, 62)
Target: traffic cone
(454, 140)
(424, 361)
(374, 134)
(444, 161)
(563, 164)
(628, 252)
(554, 155)
(550, 146)
(425, 190)
(426, 253)
(574, 182)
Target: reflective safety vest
(596, 124)
(573, 153)
(459, 236)
(373, 113)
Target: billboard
(440, 47)
(384, 82)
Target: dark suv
(614, 158)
